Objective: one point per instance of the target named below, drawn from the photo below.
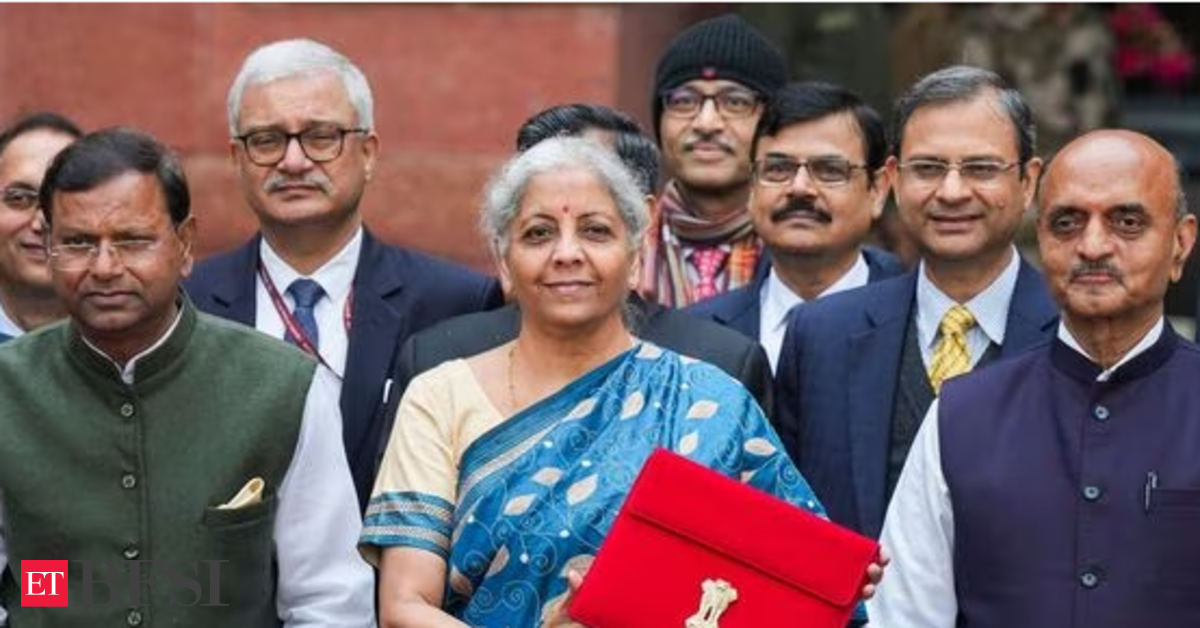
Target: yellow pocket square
(250, 494)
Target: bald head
(1118, 153)
(1113, 232)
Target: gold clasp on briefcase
(715, 600)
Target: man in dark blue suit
(819, 183)
(303, 139)
(859, 369)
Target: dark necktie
(306, 293)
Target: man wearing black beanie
(710, 86)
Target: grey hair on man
(300, 57)
(962, 83)
(502, 199)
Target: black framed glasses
(974, 172)
(267, 147)
(826, 171)
(19, 198)
(733, 102)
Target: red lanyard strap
(289, 320)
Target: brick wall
(451, 84)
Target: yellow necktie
(950, 356)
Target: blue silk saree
(537, 494)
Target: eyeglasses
(685, 102)
(827, 171)
(20, 198)
(78, 256)
(932, 171)
(267, 147)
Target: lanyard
(293, 327)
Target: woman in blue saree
(505, 471)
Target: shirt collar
(8, 326)
(777, 299)
(130, 367)
(335, 276)
(990, 307)
(1142, 345)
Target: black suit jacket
(397, 292)
(468, 335)
(741, 309)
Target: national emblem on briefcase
(714, 601)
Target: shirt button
(1089, 579)
(134, 618)
(128, 480)
(1100, 412)
(131, 552)
(1092, 493)
(127, 410)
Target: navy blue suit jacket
(741, 309)
(836, 384)
(397, 292)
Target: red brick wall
(451, 84)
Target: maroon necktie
(708, 264)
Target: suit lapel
(1031, 315)
(375, 326)
(234, 294)
(743, 313)
(873, 360)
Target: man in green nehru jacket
(160, 467)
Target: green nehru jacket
(93, 469)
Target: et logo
(43, 583)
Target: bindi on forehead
(565, 209)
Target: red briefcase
(692, 548)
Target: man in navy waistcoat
(1061, 488)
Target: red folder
(688, 535)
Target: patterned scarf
(675, 226)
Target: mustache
(799, 206)
(278, 181)
(1102, 267)
(690, 145)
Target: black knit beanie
(724, 48)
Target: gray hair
(502, 199)
(297, 57)
(963, 83)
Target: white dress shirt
(8, 326)
(322, 579)
(918, 532)
(990, 309)
(336, 277)
(776, 300)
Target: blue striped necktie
(306, 293)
